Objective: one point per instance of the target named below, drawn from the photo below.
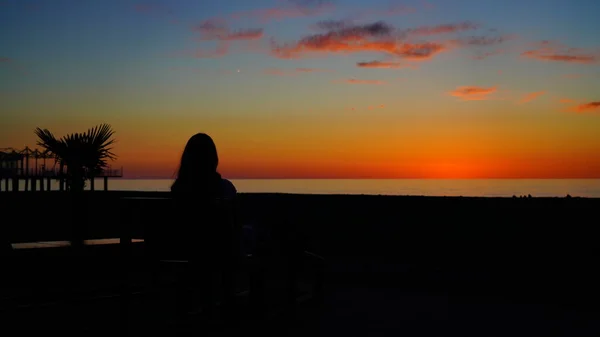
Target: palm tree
(84, 155)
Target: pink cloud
(551, 51)
(472, 93)
(531, 96)
(218, 30)
(587, 107)
(566, 100)
(375, 37)
(379, 64)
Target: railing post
(125, 246)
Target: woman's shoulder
(229, 190)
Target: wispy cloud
(483, 40)
(480, 44)
(587, 107)
(566, 101)
(441, 29)
(572, 76)
(375, 37)
(357, 81)
(380, 64)
(219, 30)
(5, 59)
(531, 96)
(551, 51)
(472, 93)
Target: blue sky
(143, 64)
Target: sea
(589, 188)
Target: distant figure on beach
(197, 175)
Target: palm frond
(47, 141)
(83, 154)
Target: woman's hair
(197, 171)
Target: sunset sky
(314, 89)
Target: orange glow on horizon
(449, 168)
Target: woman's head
(199, 160)
(200, 154)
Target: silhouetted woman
(205, 221)
(197, 175)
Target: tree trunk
(78, 207)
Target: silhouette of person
(197, 174)
(206, 229)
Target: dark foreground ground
(414, 266)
